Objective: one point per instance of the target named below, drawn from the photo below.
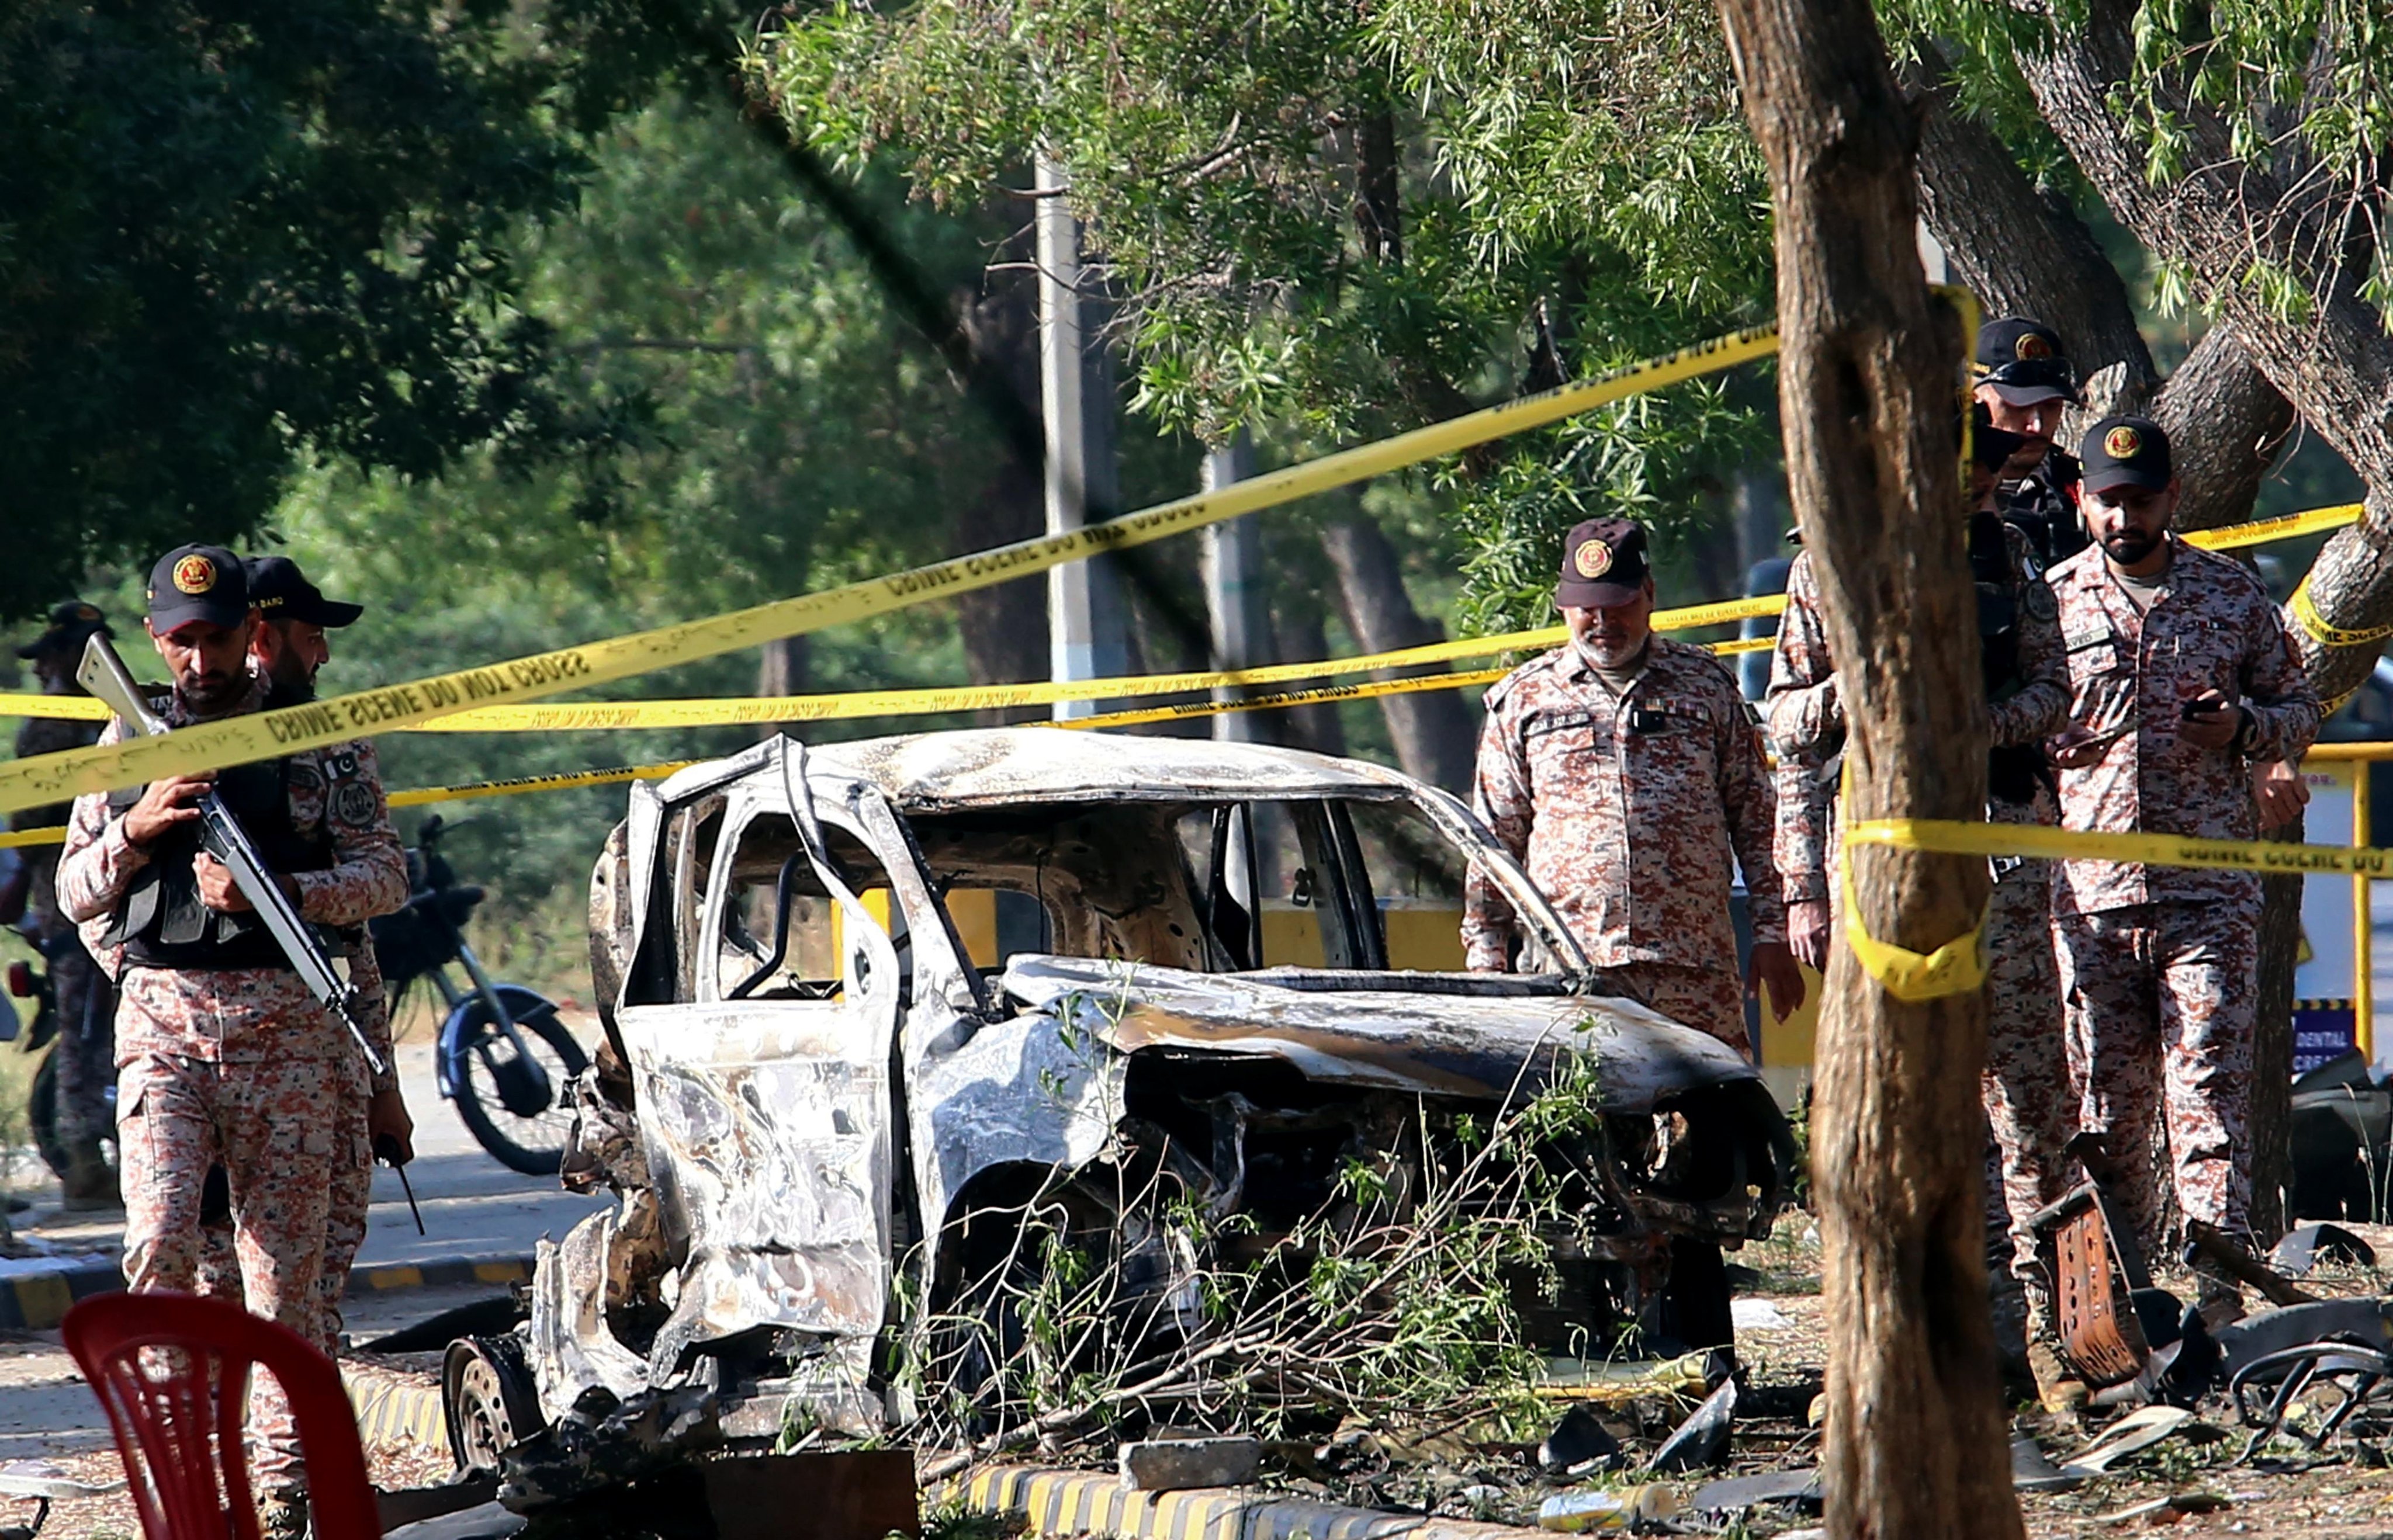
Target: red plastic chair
(170, 1369)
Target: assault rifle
(103, 673)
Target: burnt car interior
(1187, 885)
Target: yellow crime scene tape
(51, 778)
(1954, 837)
(746, 710)
(421, 796)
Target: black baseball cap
(1604, 563)
(70, 623)
(2023, 361)
(281, 592)
(2125, 451)
(197, 582)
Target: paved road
(474, 1207)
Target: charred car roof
(930, 772)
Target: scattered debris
(2031, 1471)
(1758, 1315)
(1580, 1439)
(484, 1521)
(2132, 1434)
(1607, 1512)
(2306, 1246)
(2367, 1322)
(2176, 1503)
(1701, 1441)
(1613, 1382)
(414, 1504)
(2202, 1242)
(41, 1479)
(852, 1494)
(2351, 1370)
(1172, 1465)
(1739, 1492)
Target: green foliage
(234, 235)
(799, 437)
(2294, 100)
(1325, 220)
(1119, 1294)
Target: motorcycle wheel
(534, 1145)
(42, 1112)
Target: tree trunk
(1435, 738)
(1867, 366)
(1295, 626)
(1004, 628)
(2021, 251)
(2225, 423)
(781, 670)
(2272, 1113)
(2334, 365)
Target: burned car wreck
(878, 1011)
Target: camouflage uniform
(2159, 964)
(352, 1190)
(241, 1065)
(1625, 810)
(353, 1183)
(2030, 1100)
(86, 1069)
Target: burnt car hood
(1392, 1037)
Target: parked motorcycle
(503, 1056)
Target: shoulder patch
(342, 763)
(2036, 598)
(353, 804)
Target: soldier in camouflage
(1624, 771)
(2024, 380)
(287, 649)
(2182, 677)
(222, 1054)
(86, 1005)
(2031, 1102)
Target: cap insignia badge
(195, 574)
(2122, 442)
(1593, 559)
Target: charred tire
(487, 1400)
(528, 1144)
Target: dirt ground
(2191, 1484)
(2344, 1497)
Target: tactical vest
(2044, 505)
(2012, 773)
(161, 922)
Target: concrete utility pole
(1088, 636)
(1237, 593)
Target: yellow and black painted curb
(38, 1301)
(1061, 1505)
